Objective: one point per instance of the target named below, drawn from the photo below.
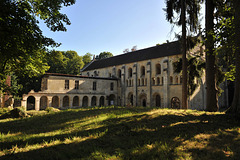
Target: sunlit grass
(121, 133)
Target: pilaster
(135, 85)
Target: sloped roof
(77, 76)
(167, 49)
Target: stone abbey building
(140, 78)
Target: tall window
(94, 86)
(142, 71)
(158, 68)
(130, 72)
(76, 84)
(111, 86)
(119, 73)
(66, 84)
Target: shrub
(51, 109)
(18, 112)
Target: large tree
(68, 62)
(212, 93)
(87, 58)
(103, 55)
(235, 108)
(179, 8)
(22, 44)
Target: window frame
(66, 86)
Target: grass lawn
(121, 133)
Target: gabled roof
(167, 49)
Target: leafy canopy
(22, 44)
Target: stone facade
(139, 78)
(150, 83)
(69, 91)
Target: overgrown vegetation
(121, 133)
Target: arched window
(76, 101)
(94, 101)
(142, 71)
(129, 72)
(153, 81)
(162, 81)
(30, 103)
(176, 80)
(111, 100)
(142, 100)
(85, 101)
(43, 102)
(55, 102)
(101, 101)
(158, 68)
(130, 98)
(65, 101)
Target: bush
(18, 112)
(51, 109)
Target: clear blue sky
(113, 25)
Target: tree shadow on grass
(57, 120)
(139, 137)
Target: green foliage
(18, 112)
(173, 13)
(87, 58)
(68, 62)
(103, 55)
(195, 71)
(230, 74)
(74, 62)
(51, 109)
(22, 45)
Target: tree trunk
(235, 108)
(212, 97)
(184, 58)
